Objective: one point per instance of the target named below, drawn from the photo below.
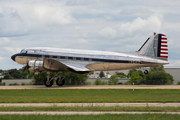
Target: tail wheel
(146, 72)
(48, 83)
(60, 82)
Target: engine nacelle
(35, 66)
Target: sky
(106, 25)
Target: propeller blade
(24, 68)
(27, 65)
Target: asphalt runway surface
(90, 104)
(95, 87)
(81, 112)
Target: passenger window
(62, 57)
(46, 56)
(78, 58)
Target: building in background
(174, 71)
(1, 75)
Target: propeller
(26, 67)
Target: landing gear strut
(59, 81)
(49, 81)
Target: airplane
(153, 52)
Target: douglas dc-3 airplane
(153, 52)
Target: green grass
(89, 95)
(93, 117)
(92, 108)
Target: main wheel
(48, 83)
(60, 82)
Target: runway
(95, 87)
(90, 104)
(81, 112)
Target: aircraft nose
(13, 57)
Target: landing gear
(48, 83)
(60, 82)
(146, 72)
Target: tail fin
(155, 46)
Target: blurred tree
(101, 74)
(100, 82)
(130, 72)
(1, 71)
(140, 73)
(14, 73)
(158, 76)
(135, 78)
(97, 82)
(157, 68)
(178, 83)
(113, 80)
(121, 75)
(75, 79)
(70, 78)
(23, 75)
(39, 79)
(7, 77)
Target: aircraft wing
(64, 65)
(77, 66)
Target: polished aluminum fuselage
(92, 60)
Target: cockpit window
(23, 51)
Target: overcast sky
(108, 25)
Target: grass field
(92, 108)
(88, 95)
(93, 117)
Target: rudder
(155, 46)
(163, 46)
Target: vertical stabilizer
(155, 46)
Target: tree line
(70, 78)
(156, 76)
